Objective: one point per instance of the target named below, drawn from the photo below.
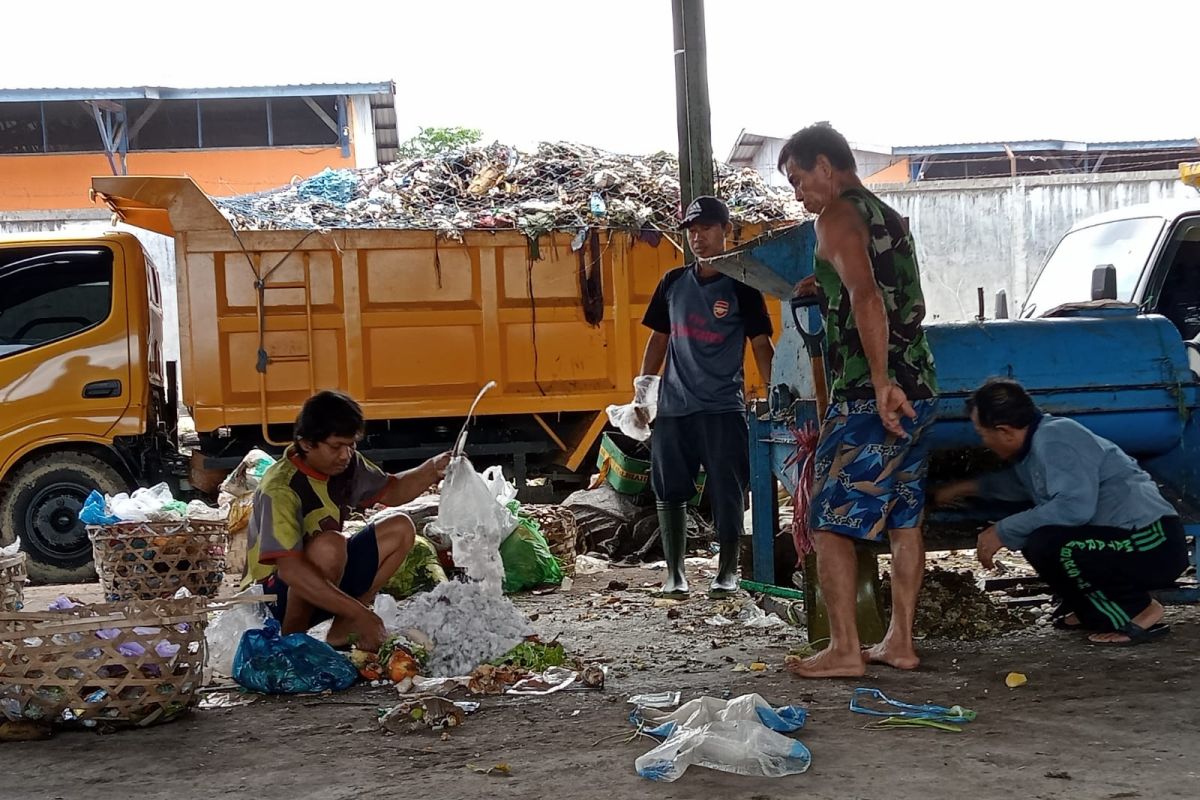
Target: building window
(169, 125)
(71, 128)
(233, 123)
(21, 128)
(48, 294)
(294, 122)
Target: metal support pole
(763, 515)
(692, 113)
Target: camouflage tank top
(894, 261)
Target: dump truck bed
(410, 324)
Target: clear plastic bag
(633, 419)
(224, 634)
(703, 710)
(474, 520)
(743, 747)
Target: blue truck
(1109, 335)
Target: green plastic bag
(528, 562)
(420, 572)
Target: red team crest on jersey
(720, 308)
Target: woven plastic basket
(152, 560)
(561, 532)
(134, 663)
(12, 582)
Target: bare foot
(827, 664)
(893, 655)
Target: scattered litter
(757, 666)
(617, 586)
(666, 602)
(430, 713)
(1015, 679)
(501, 769)
(656, 564)
(213, 700)
(718, 621)
(590, 565)
(926, 711)
(656, 700)
(552, 680)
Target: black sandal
(1137, 634)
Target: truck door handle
(102, 389)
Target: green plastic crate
(627, 473)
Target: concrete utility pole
(691, 101)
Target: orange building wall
(43, 182)
(896, 173)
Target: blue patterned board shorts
(868, 481)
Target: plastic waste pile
(558, 186)
(155, 504)
(468, 623)
(237, 490)
(744, 735)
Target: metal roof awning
(49, 95)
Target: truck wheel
(41, 502)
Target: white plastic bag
(743, 747)
(225, 632)
(501, 489)
(475, 521)
(645, 399)
(12, 549)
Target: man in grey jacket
(1098, 532)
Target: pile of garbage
(952, 606)
(558, 186)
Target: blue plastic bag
(95, 512)
(297, 663)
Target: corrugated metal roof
(52, 94)
(1031, 145)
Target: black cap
(705, 209)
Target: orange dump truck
(409, 324)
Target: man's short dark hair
(1002, 401)
(329, 413)
(819, 139)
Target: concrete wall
(161, 250)
(997, 232)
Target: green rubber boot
(726, 582)
(672, 527)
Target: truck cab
(1147, 255)
(82, 387)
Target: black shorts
(362, 565)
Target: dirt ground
(1090, 723)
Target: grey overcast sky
(887, 73)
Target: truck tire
(40, 502)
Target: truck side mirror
(1104, 282)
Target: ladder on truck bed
(264, 360)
